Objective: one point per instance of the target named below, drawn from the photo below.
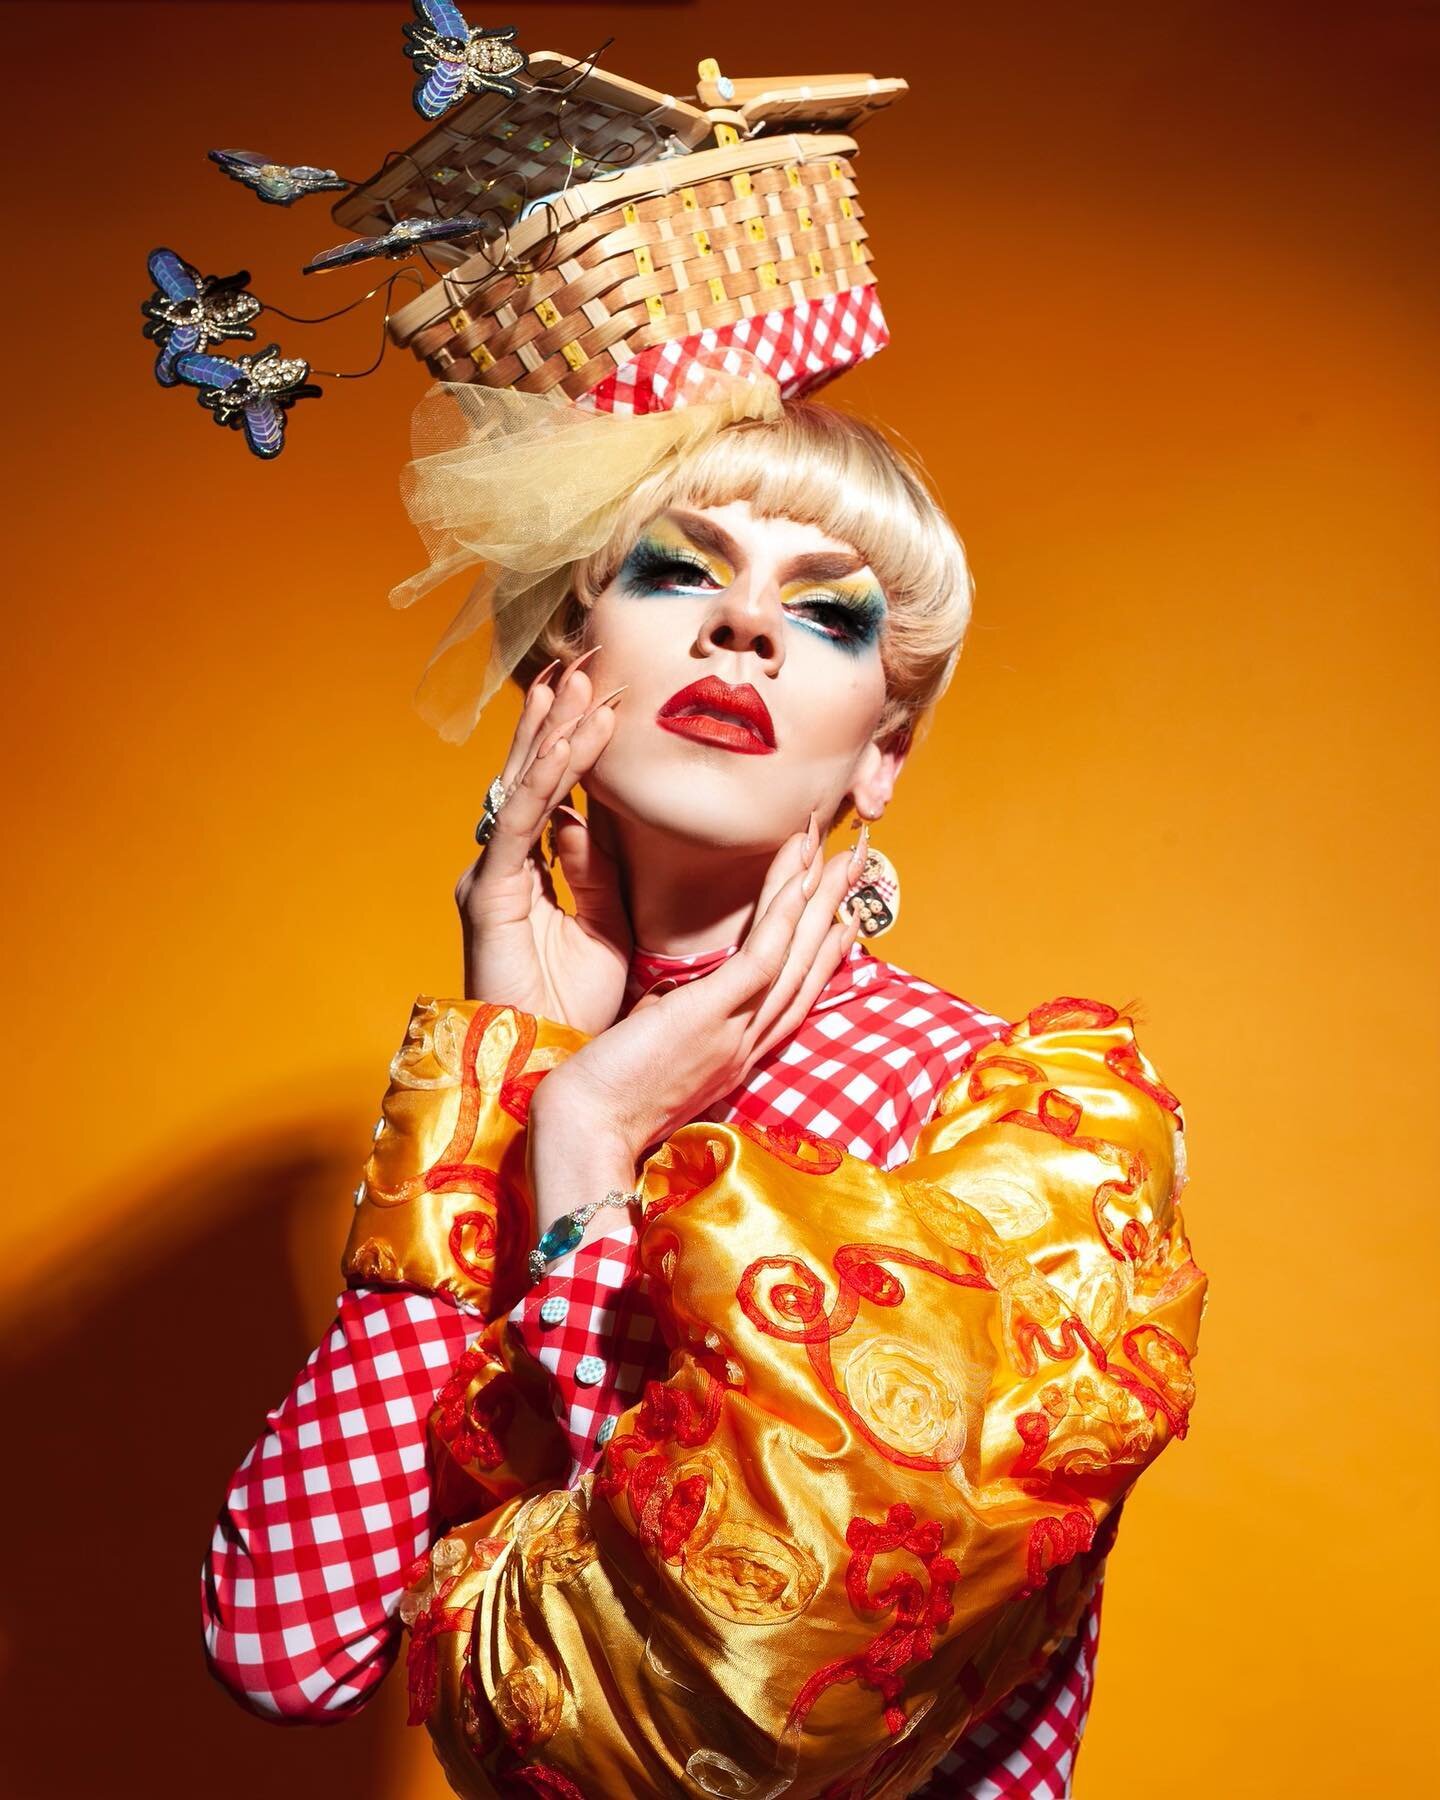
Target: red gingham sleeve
(327, 1510)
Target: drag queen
(748, 1344)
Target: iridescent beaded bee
(277, 184)
(250, 393)
(189, 311)
(453, 60)
(401, 239)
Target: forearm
(326, 1512)
(574, 1157)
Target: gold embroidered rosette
(872, 1495)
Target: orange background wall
(1162, 284)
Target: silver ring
(494, 800)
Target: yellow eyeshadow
(665, 534)
(860, 589)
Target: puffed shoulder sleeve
(871, 1495)
(444, 1205)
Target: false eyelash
(843, 622)
(859, 623)
(648, 562)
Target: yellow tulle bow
(519, 488)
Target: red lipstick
(713, 712)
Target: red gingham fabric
(327, 1510)
(1026, 1749)
(305, 1571)
(801, 346)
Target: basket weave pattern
(529, 150)
(650, 270)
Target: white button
(553, 1310)
(606, 1431)
(589, 1370)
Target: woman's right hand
(522, 948)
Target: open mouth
(713, 712)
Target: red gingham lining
(1026, 1749)
(801, 346)
(304, 1575)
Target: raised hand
(677, 1053)
(522, 948)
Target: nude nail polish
(612, 699)
(857, 855)
(560, 735)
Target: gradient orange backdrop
(1162, 284)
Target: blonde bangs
(823, 468)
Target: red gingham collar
(652, 971)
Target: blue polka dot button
(589, 1370)
(553, 1310)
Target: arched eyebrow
(812, 565)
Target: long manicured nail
(609, 700)
(808, 852)
(858, 854)
(584, 657)
(543, 677)
(570, 813)
(559, 735)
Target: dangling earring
(876, 895)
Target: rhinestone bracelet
(569, 1228)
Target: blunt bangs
(828, 469)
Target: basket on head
(628, 231)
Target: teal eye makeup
(664, 560)
(850, 617)
(847, 610)
(653, 567)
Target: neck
(682, 896)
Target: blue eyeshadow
(862, 619)
(650, 559)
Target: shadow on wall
(131, 1392)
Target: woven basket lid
(578, 142)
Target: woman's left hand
(678, 1053)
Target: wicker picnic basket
(619, 219)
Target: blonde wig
(831, 470)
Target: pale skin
(689, 846)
